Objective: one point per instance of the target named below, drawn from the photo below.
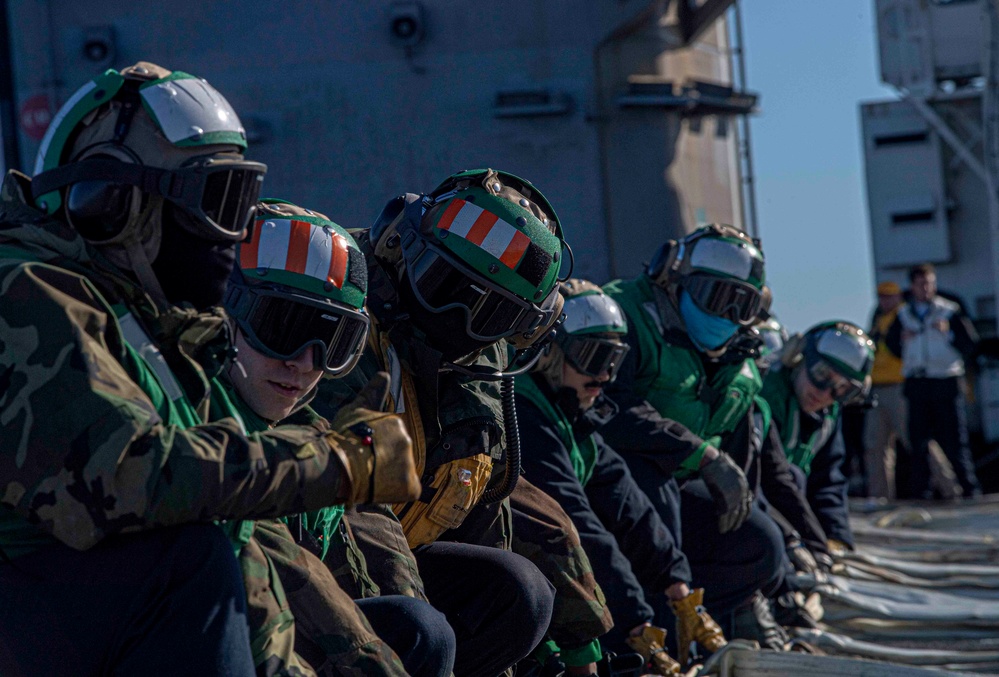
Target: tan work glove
(375, 448)
(651, 644)
(694, 624)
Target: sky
(812, 64)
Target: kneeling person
(817, 374)
(296, 298)
(560, 407)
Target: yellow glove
(837, 547)
(375, 448)
(650, 643)
(694, 624)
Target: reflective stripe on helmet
(593, 313)
(298, 247)
(724, 257)
(848, 349)
(188, 108)
(486, 230)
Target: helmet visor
(189, 108)
(491, 312)
(281, 325)
(594, 356)
(735, 300)
(846, 348)
(824, 376)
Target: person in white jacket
(934, 338)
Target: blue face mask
(708, 332)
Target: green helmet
(843, 349)
(485, 243)
(300, 281)
(146, 131)
(591, 337)
(719, 266)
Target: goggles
(281, 325)
(824, 376)
(734, 300)
(221, 194)
(594, 356)
(491, 312)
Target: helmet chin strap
(136, 252)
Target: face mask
(192, 269)
(708, 332)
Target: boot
(651, 645)
(754, 620)
(693, 624)
(791, 612)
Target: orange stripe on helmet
(477, 233)
(452, 211)
(338, 261)
(298, 246)
(515, 250)
(248, 251)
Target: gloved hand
(694, 624)
(801, 557)
(375, 448)
(730, 490)
(837, 546)
(650, 642)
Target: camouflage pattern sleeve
(83, 450)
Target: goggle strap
(97, 169)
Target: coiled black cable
(512, 472)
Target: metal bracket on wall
(692, 98)
(527, 103)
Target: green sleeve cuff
(692, 463)
(584, 655)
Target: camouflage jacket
(102, 403)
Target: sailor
(296, 299)
(560, 409)
(817, 375)
(455, 276)
(113, 258)
(689, 414)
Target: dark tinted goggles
(594, 356)
(823, 376)
(491, 312)
(281, 326)
(735, 300)
(221, 194)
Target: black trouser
(418, 633)
(730, 567)
(163, 602)
(498, 603)
(937, 412)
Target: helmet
(131, 147)
(719, 266)
(773, 334)
(832, 349)
(590, 338)
(484, 244)
(300, 281)
(138, 130)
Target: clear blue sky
(812, 63)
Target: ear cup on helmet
(522, 342)
(662, 262)
(101, 210)
(791, 353)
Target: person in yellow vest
(886, 423)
